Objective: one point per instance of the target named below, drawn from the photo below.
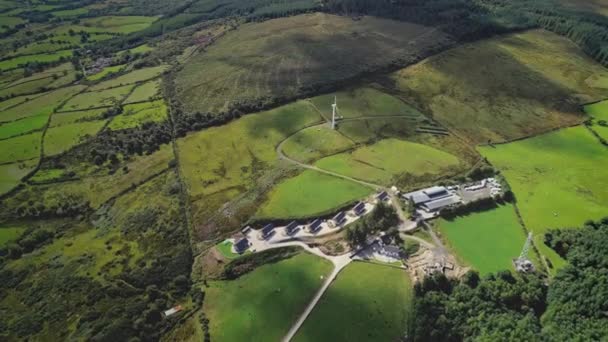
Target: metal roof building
(339, 218)
(291, 227)
(440, 203)
(241, 245)
(267, 230)
(315, 225)
(359, 208)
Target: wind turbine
(334, 110)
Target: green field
(145, 92)
(225, 248)
(504, 88)
(64, 118)
(388, 160)
(23, 147)
(262, 305)
(94, 99)
(281, 57)
(41, 105)
(14, 128)
(105, 72)
(42, 81)
(16, 100)
(136, 114)
(598, 110)
(43, 57)
(62, 138)
(309, 194)
(315, 142)
(487, 241)
(116, 24)
(360, 102)
(9, 234)
(11, 174)
(229, 156)
(550, 195)
(365, 303)
(131, 77)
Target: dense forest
(505, 307)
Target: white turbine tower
(334, 109)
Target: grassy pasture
(105, 72)
(363, 102)
(366, 302)
(283, 57)
(97, 188)
(131, 77)
(14, 128)
(310, 193)
(558, 179)
(136, 114)
(138, 49)
(388, 159)
(315, 142)
(9, 234)
(11, 174)
(42, 105)
(370, 130)
(12, 102)
(119, 24)
(61, 138)
(488, 240)
(50, 79)
(234, 155)
(64, 118)
(269, 299)
(11, 21)
(23, 147)
(225, 248)
(598, 110)
(504, 88)
(145, 92)
(70, 13)
(43, 46)
(93, 99)
(14, 63)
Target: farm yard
(269, 298)
(487, 241)
(366, 302)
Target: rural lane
(339, 263)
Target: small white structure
(172, 311)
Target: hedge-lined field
(269, 299)
(488, 241)
(366, 302)
(558, 179)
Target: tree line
(507, 307)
